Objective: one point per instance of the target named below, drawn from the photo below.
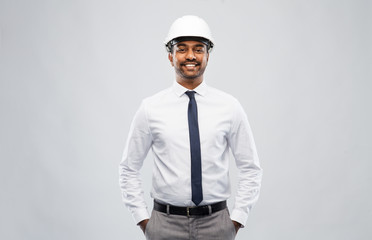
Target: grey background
(74, 72)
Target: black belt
(190, 211)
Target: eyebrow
(196, 45)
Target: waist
(190, 211)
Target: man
(190, 128)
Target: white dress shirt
(161, 124)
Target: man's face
(189, 59)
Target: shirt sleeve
(137, 146)
(244, 151)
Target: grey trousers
(217, 226)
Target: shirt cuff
(239, 216)
(140, 215)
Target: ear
(170, 57)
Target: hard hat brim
(203, 40)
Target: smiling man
(189, 59)
(190, 128)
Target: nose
(190, 55)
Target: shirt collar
(179, 90)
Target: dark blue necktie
(196, 171)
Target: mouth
(190, 65)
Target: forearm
(249, 183)
(132, 193)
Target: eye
(181, 50)
(199, 50)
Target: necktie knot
(191, 94)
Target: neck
(190, 83)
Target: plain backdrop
(73, 73)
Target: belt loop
(210, 209)
(168, 209)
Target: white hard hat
(189, 26)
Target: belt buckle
(188, 211)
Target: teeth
(190, 65)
